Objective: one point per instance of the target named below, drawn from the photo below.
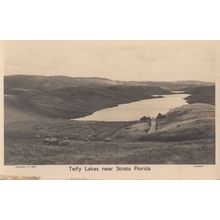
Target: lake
(135, 110)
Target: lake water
(135, 110)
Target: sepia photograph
(109, 102)
(99, 97)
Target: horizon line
(58, 75)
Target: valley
(38, 107)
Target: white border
(110, 20)
(110, 200)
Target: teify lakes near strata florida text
(90, 168)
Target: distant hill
(174, 85)
(45, 83)
(15, 113)
(33, 96)
(205, 94)
(66, 97)
(37, 82)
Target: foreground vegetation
(26, 152)
(99, 143)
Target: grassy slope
(133, 132)
(205, 94)
(73, 130)
(12, 112)
(21, 146)
(81, 152)
(188, 122)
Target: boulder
(108, 139)
(51, 141)
(64, 142)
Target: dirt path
(153, 126)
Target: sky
(118, 60)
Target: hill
(38, 82)
(45, 83)
(174, 85)
(205, 94)
(33, 96)
(188, 122)
(66, 97)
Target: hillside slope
(188, 122)
(205, 94)
(65, 97)
(33, 96)
(12, 111)
(46, 83)
(174, 85)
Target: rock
(64, 143)
(51, 141)
(108, 139)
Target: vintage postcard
(109, 110)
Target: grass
(188, 122)
(204, 94)
(99, 152)
(21, 146)
(73, 130)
